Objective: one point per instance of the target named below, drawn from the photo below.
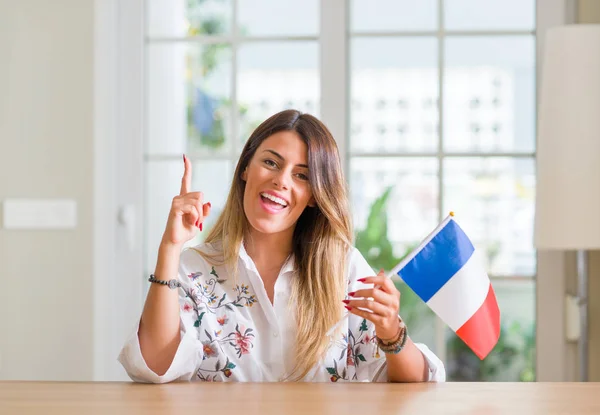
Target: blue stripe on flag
(438, 261)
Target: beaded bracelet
(396, 344)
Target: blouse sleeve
(189, 353)
(369, 363)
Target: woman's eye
(270, 163)
(302, 176)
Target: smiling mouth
(273, 201)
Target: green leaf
(222, 298)
(213, 272)
(363, 325)
(230, 366)
(197, 322)
(331, 371)
(361, 358)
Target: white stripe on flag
(462, 295)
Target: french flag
(446, 272)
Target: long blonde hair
(321, 240)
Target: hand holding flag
(379, 304)
(446, 273)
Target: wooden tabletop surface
(90, 398)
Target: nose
(282, 179)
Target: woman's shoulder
(353, 255)
(202, 255)
(357, 265)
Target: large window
(440, 116)
(215, 69)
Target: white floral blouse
(231, 331)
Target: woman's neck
(268, 250)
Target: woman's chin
(267, 226)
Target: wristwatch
(172, 284)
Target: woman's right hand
(187, 212)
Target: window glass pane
(513, 357)
(489, 94)
(493, 199)
(178, 18)
(163, 182)
(394, 95)
(393, 15)
(213, 178)
(189, 98)
(394, 202)
(275, 76)
(489, 14)
(278, 18)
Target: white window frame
(118, 179)
(119, 164)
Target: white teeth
(274, 199)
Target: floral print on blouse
(230, 331)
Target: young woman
(256, 301)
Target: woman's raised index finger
(186, 180)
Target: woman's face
(277, 187)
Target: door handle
(127, 219)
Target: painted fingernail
(348, 308)
(361, 279)
(351, 294)
(209, 205)
(184, 158)
(200, 226)
(346, 301)
(196, 224)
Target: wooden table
(298, 398)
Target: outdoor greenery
(206, 114)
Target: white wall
(46, 131)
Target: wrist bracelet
(172, 284)
(394, 339)
(397, 344)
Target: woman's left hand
(383, 301)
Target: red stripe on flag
(482, 330)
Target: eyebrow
(280, 157)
